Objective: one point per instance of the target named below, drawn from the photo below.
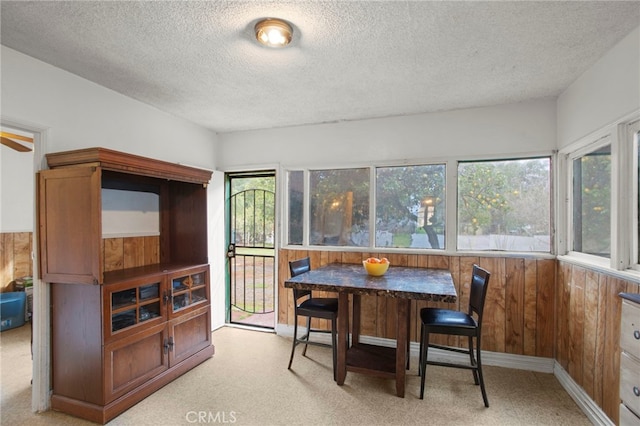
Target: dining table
(399, 282)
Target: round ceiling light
(273, 32)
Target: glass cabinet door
(135, 305)
(188, 290)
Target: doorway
(24, 370)
(251, 272)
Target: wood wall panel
(113, 249)
(575, 326)
(494, 320)
(22, 249)
(588, 332)
(563, 315)
(15, 258)
(530, 305)
(129, 252)
(600, 340)
(514, 306)
(545, 307)
(590, 335)
(520, 303)
(6, 260)
(133, 252)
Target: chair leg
(304, 352)
(420, 351)
(423, 359)
(334, 348)
(295, 340)
(484, 392)
(473, 361)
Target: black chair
(312, 307)
(457, 323)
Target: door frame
(41, 346)
(256, 172)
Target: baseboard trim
(520, 362)
(588, 406)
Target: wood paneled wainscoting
(588, 332)
(519, 313)
(15, 257)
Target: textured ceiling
(349, 60)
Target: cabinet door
(189, 334)
(189, 290)
(132, 305)
(133, 360)
(70, 219)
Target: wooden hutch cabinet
(119, 335)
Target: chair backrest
(297, 267)
(479, 285)
(300, 266)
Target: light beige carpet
(247, 383)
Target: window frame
(374, 203)
(632, 148)
(624, 197)
(451, 196)
(552, 174)
(605, 140)
(307, 205)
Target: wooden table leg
(355, 330)
(401, 346)
(343, 333)
(408, 333)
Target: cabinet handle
(165, 297)
(168, 345)
(636, 334)
(636, 391)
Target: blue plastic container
(12, 306)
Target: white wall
(606, 92)
(496, 130)
(82, 114)
(16, 190)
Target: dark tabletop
(402, 282)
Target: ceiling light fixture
(273, 32)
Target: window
(339, 207)
(502, 205)
(410, 204)
(505, 205)
(295, 204)
(603, 195)
(591, 198)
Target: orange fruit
(384, 260)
